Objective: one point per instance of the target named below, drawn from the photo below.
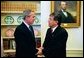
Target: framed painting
(69, 12)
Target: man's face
(30, 19)
(63, 5)
(51, 21)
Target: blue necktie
(31, 29)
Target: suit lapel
(63, 14)
(32, 31)
(26, 30)
(56, 31)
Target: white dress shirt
(53, 29)
(26, 25)
(65, 13)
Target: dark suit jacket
(25, 42)
(65, 19)
(55, 43)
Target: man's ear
(56, 22)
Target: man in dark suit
(66, 17)
(24, 36)
(56, 37)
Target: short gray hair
(26, 13)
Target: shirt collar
(25, 23)
(62, 10)
(54, 28)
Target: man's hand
(39, 51)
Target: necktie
(51, 30)
(65, 13)
(31, 29)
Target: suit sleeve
(45, 41)
(19, 36)
(61, 40)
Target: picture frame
(73, 7)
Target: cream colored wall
(75, 38)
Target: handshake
(39, 50)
